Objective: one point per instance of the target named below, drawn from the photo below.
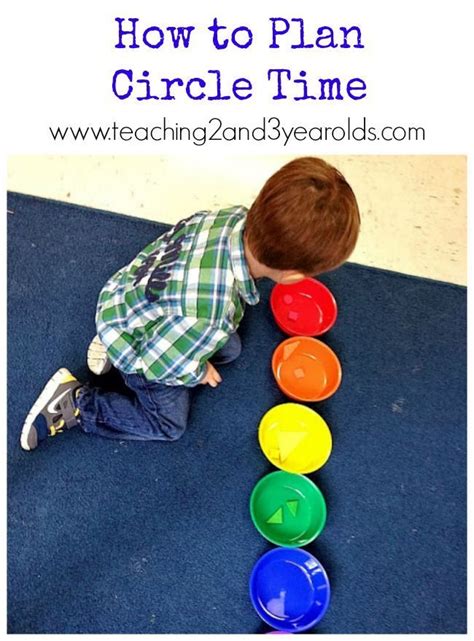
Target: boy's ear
(288, 277)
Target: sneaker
(97, 359)
(54, 410)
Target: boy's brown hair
(305, 218)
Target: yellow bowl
(295, 438)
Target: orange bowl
(306, 369)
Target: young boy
(170, 316)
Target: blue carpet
(129, 537)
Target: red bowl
(305, 308)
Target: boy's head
(304, 221)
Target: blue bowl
(289, 589)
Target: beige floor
(413, 207)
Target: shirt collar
(245, 283)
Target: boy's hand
(211, 377)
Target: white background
(61, 58)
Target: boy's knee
(229, 352)
(171, 430)
(175, 437)
(171, 421)
(236, 347)
(168, 414)
(162, 430)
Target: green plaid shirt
(168, 311)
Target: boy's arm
(176, 350)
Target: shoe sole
(97, 360)
(52, 385)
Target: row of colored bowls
(305, 368)
(289, 588)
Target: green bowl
(288, 509)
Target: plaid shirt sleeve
(178, 348)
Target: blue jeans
(153, 412)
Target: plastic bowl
(289, 589)
(306, 369)
(295, 438)
(305, 308)
(288, 509)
